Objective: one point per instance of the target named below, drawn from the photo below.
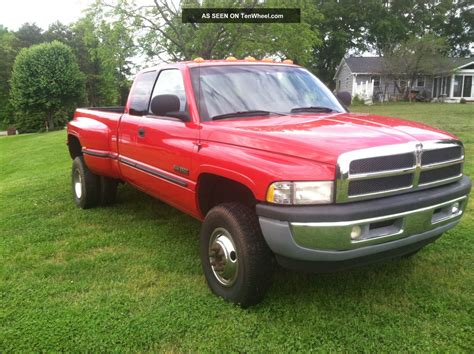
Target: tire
(108, 190)
(242, 264)
(85, 184)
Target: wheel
(108, 190)
(85, 184)
(237, 263)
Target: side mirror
(345, 98)
(168, 106)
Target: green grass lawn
(128, 277)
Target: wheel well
(74, 145)
(213, 190)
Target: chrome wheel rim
(77, 179)
(223, 257)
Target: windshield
(223, 90)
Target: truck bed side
(96, 132)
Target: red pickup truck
(275, 166)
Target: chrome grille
(441, 155)
(440, 174)
(383, 163)
(380, 184)
(394, 169)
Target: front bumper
(331, 237)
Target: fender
(91, 133)
(96, 141)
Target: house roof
(458, 62)
(364, 64)
(359, 65)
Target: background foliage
(113, 38)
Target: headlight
(300, 192)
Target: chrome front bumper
(346, 235)
(365, 231)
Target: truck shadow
(176, 235)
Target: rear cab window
(140, 95)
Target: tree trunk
(50, 120)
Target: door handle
(141, 132)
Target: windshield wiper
(245, 114)
(319, 109)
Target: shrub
(46, 81)
(357, 101)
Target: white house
(362, 76)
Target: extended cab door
(129, 126)
(165, 146)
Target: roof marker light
(287, 61)
(267, 60)
(249, 58)
(231, 58)
(198, 60)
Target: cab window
(170, 82)
(140, 95)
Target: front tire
(85, 184)
(237, 263)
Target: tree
(416, 57)
(114, 52)
(342, 29)
(8, 42)
(58, 31)
(29, 34)
(46, 80)
(163, 37)
(393, 22)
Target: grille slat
(382, 163)
(441, 155)
(440, 173)
(379, 184)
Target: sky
(13, 13)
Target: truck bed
(111, 109)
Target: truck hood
(319, 137)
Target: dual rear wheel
(90, 190)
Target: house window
(457, 86)
(467, 86)
(376, 80)
(420, 82)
